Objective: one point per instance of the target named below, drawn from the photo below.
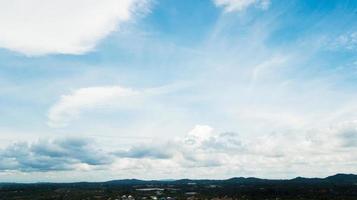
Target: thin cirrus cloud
(36, 27)
(69, 107)
(346, 41)
(239, 5)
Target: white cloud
(199, 134)
(53, 155)
(141, 104)
(294, 152)
(239, 5)
(346, 41)
(69, 107)
(202, 151)
(36, 27)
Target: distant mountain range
(335, 179)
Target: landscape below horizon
(336, 187)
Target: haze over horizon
(156, 89)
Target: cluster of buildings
(130, 197)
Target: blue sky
(158, 89)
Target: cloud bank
(202, 147)
(36, 27)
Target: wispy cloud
(346, 41)
(239, 5)
(111, 99)
(69, 107)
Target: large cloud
(200, 147)
(297, 152)
(37, 27)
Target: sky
(167, 89)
